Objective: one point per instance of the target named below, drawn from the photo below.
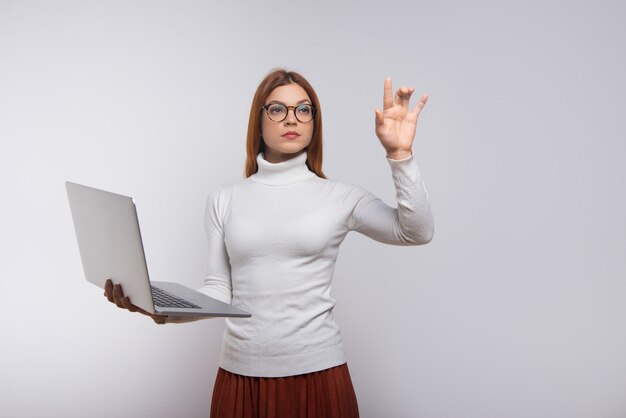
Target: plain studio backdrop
(515, 309)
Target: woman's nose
(291, 117)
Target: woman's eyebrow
(301, 101)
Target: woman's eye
(304, 109)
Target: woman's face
(278, 145)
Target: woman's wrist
(399, 154)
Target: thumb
(379, 116)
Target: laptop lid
(109, 240)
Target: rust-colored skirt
(324, 394)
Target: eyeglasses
(278, 112)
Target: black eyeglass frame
(313, 111)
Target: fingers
(387, 95)
(118, 295)
(108, 289)
(379, 117)
(402, 98)
(115, 294)
(403, 95)
(420, 105)
(126, 304)
(133, 308)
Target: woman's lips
(291, 135)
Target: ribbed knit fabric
(273, 242)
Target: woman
(273, 242)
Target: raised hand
(396, 124)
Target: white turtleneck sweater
(273, 242)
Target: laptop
(109, 240)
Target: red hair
(254, 144)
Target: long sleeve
(217, 281)
(411, 223)
(274, 238)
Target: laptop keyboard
(167, 300)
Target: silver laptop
(110, 246)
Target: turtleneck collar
(280, 174)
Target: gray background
(515, 309)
